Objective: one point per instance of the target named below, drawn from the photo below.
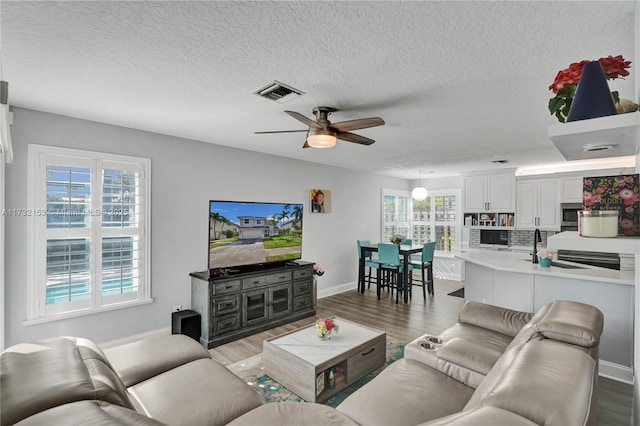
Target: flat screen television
(494, 237)
(251, 234)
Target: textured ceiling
(459, 84)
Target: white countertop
(521, 263)
(570, 240)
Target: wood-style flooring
(407, 322)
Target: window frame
(432, 222)
(39, 156)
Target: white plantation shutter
(89, 219)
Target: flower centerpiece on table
(566, 82)
(318, 269)
(397, 239)
(326, 326)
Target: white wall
(185, 175)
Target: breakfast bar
(511, 280)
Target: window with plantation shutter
(89, 224)
(436, 218)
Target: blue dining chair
(368, 262)
(390, 263)
(425, 263)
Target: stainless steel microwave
(570, 216)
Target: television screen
(252, 233)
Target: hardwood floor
(405, 323)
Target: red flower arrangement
(325, 326)
(566, 82)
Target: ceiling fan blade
(352, 137)
(281, 131)
(361, 123)
(304, 119)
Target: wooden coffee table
(301, 361)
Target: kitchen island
(511, 280)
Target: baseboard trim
(616, 372)
(353, 286)
(135, 338)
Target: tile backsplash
(516, 238)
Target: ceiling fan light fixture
(321, 138)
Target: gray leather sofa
(166, 380)
(494, 367)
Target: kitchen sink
(560, 265)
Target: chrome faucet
(536, 239)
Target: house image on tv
(254, 227)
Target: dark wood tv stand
(244, 302)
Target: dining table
(406, 250)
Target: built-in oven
(570, 216)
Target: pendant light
(419, 193)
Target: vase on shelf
(593, 97)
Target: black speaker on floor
(186, 322)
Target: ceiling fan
(323, 134)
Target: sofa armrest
(469, 355)
(138, 361)
(502, 320)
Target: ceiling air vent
(279, 92)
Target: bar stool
(368, 261)
(425, 262)
(390, 263)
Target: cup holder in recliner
(428, 346)
(431, 343)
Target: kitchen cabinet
(495, 192)
(538, 204)
(571, 190)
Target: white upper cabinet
(495, 193)
(571, 190)
(538, 204)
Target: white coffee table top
(306, 344)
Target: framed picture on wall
(320, 200)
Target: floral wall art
(620, 193)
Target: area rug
(458, 293)
(251, 371)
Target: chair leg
(369, 278)
(430, 278)
(378, 283)
(424, 291)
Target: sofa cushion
(406, 393)
(482, 416)
(293, 414)
(43, 374)
(140, 360)
(94, 413)
(198, 393)
(544, 373)
(501, 320)
(470, 340)
(572, 322)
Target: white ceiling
(459, 84)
